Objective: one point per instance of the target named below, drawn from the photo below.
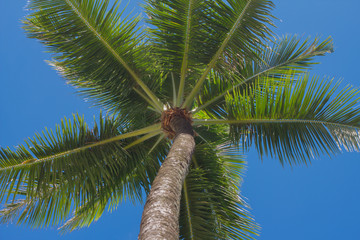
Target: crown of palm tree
(214, 64)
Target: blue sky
(315, 202)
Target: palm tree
(200, 73)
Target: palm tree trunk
(160, 219)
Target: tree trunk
(160, 219)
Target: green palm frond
(89, 212)
(238, 26)
(296, 123)
(74, 158)
(109, 196)
(235, 28)
(211, 206)
(54, 207)
(144, 174)
(287, 53)
(77, 169)
(50, 208)
(95, 47)
(177, 24)
(178, 39)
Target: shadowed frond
(296, 123)
(95, 47)
(211, 206)
(286, 54)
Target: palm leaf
(294, 124)
(235, 28)
(144, 173)
(11, 211)
(95, 47)
(177, 39)
(48, 208)
(286, 54)
(86, 181)
(74, 158)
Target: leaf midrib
(29, 162)
(249, 121)
(306, 54)
(243, 82)
(188, 209)
(185, 57)
(116, 55)
(230, 34)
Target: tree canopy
(218, 61)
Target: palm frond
(88, 213)
(211, 205)
(294, 124)
(42, 193)
(235, 28)
(74, 154)
(48, 208)
(95, 47)
(287, 53)
(177, 39)
(11, 211)
(143, 173)
(54, 207)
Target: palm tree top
(215, 64)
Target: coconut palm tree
(187, 92)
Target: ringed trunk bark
(160, 219)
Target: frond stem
(175, 103)
(197, 122)
(155, 108)
(213, 61)
(290, 61)
(116, 55)
(143, 138)
(195, 162)
(146, 130)
(188, 209)
(161, 137)
(186, 52)
(236, 86)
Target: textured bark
(160, 219)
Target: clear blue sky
(316, 202)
